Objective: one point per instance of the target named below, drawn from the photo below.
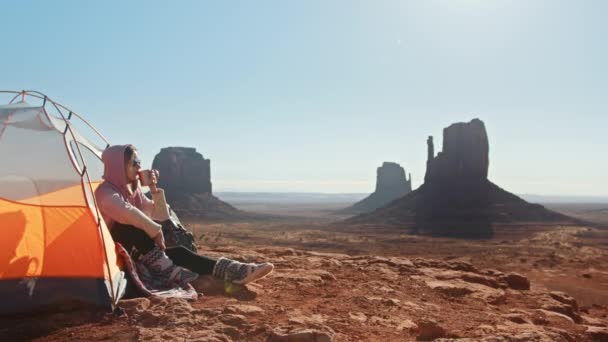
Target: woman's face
(133, 166)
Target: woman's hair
(129, 151)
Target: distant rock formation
(390, 177)
(464, 156)
(186, 178)
(183, 172)
(457, 199)
(391, 183)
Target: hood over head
(114, 167)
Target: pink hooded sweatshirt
(114, 201)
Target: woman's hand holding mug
(149, 178)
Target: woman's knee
(125, 229)
(132, 236)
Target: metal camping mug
(145, 177)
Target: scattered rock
(517, 318)
(554, 315)
(594, 321)
(462, 266)
(563, 309)
(597, 333)
(429, 330)
(384, 272)
(565, 299)
(243, 309)
(517, 281)
(452, 265)
(492, 273)
(135, 305)
(491, 296)
(290, 334)
(357, 316)
(561, 303)
(233, 320)
(449, 288)
(468, 277)
(525, 336)
(392, 322)
(391, 302)
(299, 318)
(305, 276)
(485, 329)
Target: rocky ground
(339, 291)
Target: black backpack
(176, 234)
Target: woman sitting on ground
(130, 216)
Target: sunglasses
(136, 162)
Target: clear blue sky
(314, 95)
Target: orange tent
(54, 245)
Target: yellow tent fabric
(55, 247)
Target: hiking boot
(240, 273)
